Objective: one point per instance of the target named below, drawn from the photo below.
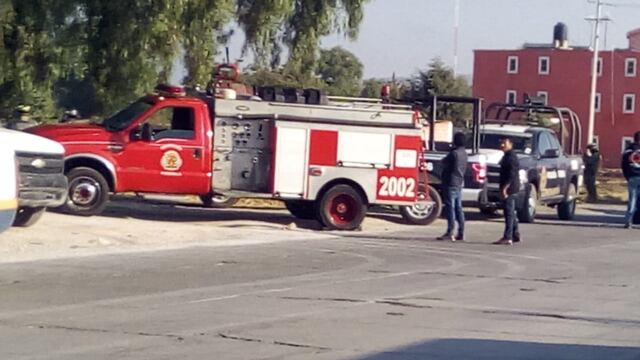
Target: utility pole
(456, 26)
(594, 71)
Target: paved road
(568, 292)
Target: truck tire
(301, 209)
(341, 208)
(27, 216)
(88, 192)
(567, 208)
(420, 214)
(218, 201)
(527, 210)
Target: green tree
(439, 80)
(341, 70)
(297, 25)
(129, 46)
(122, 48)
(31, 58)
(201, 24)
(371, 88)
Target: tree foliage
(439, 79)
(297, 25)
(120, 48)
(341, 70)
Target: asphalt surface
(569, 291)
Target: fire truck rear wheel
(218, 201)
(301, 209)
(341, 208)
(423, 214)
(88, 192)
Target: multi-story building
(562, 75)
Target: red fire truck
(327, 159)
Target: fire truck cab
(327, 159)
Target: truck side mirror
(146, 134)
(551, 153)
(142, 133)
(134, 135)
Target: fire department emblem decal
(171, 161)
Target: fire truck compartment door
(364, 149)
(291, 161)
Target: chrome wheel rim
(84, 191)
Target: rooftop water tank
(561, 36)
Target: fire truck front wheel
(88, 192)
(341, 208)
(423, 213)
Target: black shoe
(503, 241)
(459, 238)
(516, 238)
(446, 237)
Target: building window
(544, 96)
(599, 66)
(543, 65)
(630, 67)
(596, 140)
(626, 141)
(512, 97)
(512, 65)
(597, 103)
(629, 103)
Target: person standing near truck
(591, 160)
(509, 188)
(454, 167)
(631, 171)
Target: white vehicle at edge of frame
(39, 163)
(8, 187)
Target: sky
(402, 36)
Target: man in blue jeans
(454, 167)
(509, 188)
(631, 171)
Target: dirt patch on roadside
(612, 187)
(259, 204)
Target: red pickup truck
(111, 156)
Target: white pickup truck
(41, 180)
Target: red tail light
(479, 172)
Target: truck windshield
(521, 143)
(122, 119)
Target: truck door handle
(115, 148)
(197, 153)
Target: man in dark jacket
(591, 159)
(631, 170)
(454, 167)
(509, 188)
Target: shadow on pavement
(455, 349)
(583, 220)
(176, 212)
(607, 211)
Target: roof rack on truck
(562, 119)
(430, 106)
